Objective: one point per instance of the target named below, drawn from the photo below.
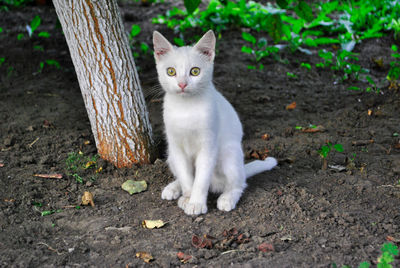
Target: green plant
(34, 24)
(395, 26)
(50, 63)
(291, 75)
(394, 71)
(389, 252)
(259, 49)
(343, 63)
(137, 47)
(306, 65)
(80, 166)
(326, 149)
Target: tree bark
(108, 79)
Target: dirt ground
(305, 216)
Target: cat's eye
(171, 71)
(195, 71)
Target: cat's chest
(188, 115)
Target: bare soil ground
(311, 217)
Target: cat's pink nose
(182, 85)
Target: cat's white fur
(203, 131)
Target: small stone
(198, 220)
(9, 141)
(158, 161)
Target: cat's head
(184, 70)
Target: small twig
(70, 206)
(50, 248)
(32, 143)
(229, 251)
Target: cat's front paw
(225, 203)
(172, 191)
(183, 201)
(195, 208)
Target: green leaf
(292, 75)
(262, 42)
(20, 36)
(44, 34)
(2, 60)
(338, 147)
(38, 47)
(304, 11)
(249, 38)
(353, 88)
(35, 23)
(247, 50)
(282, 3)
(144, 47)
(191, 5)
(390, 248)
(179, 41)
(324, 151)
(251, 67)
(394, 48)
(326, 41)
(385, 260)
(369, 79)
(364, 264)
(135, 30)
(1, 30)
(54, 63)
(274, 27)
(306, 65)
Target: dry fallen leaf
(369, 112)
(265, 136)
(362, 142)
(184, 258)
(266, 247)
(1, 164)
(313, 129)
(87, 142)
(394, 85)
(291, 106)
(204, 242)
(392, 239)
(378, 62)
(146, 257)
(87, 198)
(151, 224)
(49, 176)
(133, 187)
(90, 164)
(262, 154)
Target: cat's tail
(259, 166)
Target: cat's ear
(206, 45)
(161, 45)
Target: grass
(296, 26)
(326, 149)
(82, 168)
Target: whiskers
(154, 93)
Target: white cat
(203, 131)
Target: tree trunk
(108, 79)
